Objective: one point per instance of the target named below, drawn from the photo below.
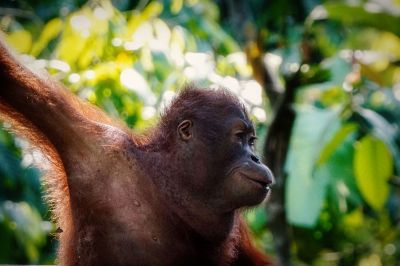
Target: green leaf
(343, 191)
(70, 46)
(305, 192)
(21, 40)
(383, 130)
(336, 141)
(176, 6)
(138, 19)
(152, 10)
(373, 166)
(25, 221)
(49, 32)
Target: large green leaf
(305, 192)
(373, 166)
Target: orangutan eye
(252, 141)
(240, 135)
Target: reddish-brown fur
(105, 183)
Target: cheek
(235, 186)
(240, 192)
(230, 157)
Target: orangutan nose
(255, 159)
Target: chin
(255, 193)
(257, 198)
(244, 192)
(251, 198)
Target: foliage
(344, 150)
(24, 235)
(129, 58)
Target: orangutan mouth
(258, 180)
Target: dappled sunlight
(81, 23)
(59, 65)
(259, 114)
(148, 112)
(252, 92)
(200, 65)
(74, 78)
(132, 80)
(167, 98)
(326, 74)
(102, 13)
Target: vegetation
(321, 78)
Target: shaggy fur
(122, 199)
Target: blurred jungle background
(321, 80)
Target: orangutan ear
(185, 130)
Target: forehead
(239, 119)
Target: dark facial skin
(239, 177)
(251, 179)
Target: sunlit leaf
(152, 10)
(146, 59)
(134, 81)
(162, 32)
(388, 43)
(373, 74)
(355, 218)
(94, 49)
(373, 166)
(70, 47)
(21, 40)
(384, 130)
(49, 32)
(136, 19)
(176, 6)
(178, 39)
